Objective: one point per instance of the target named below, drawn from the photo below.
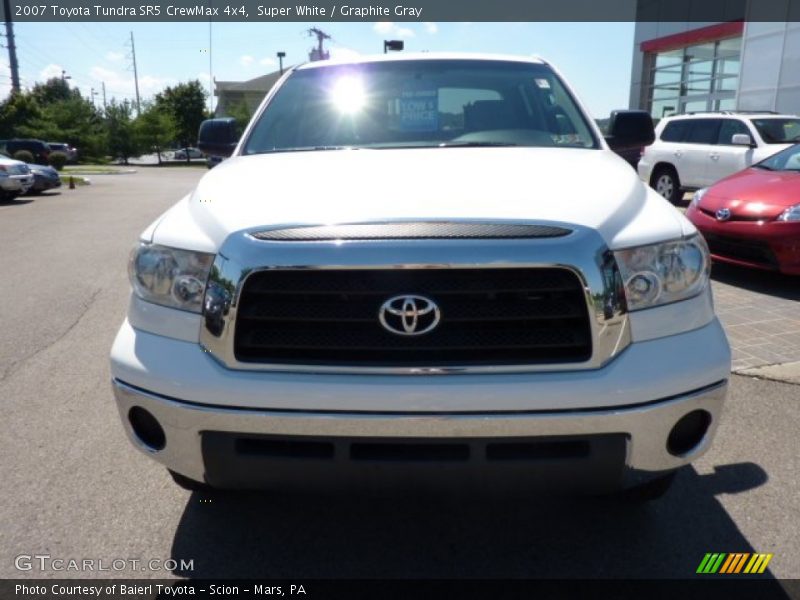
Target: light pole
(281, 56)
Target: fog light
(147, 428)
(688, 432)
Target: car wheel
(649, 491)
(8, 196)
(189, 484)
(666, 183)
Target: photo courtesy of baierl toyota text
(392, 300)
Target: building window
(703, 77)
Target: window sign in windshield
(419, 109)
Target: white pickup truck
(422, 269)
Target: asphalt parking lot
(73, 487)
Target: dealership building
(737, 64)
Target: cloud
(114, 56)
(430, 28)
(50, 71)
(246, 60)
(387, 28)
(268, 61)
(204, 78)
(122, 83)
(340, 53)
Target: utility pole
(318, 53)
(12, 48)
(135, 76)
(104, 96)
(210, 72)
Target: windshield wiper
(475, 144)
(765, 167)
(305, 149)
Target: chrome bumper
(646, 426)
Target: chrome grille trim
(582, 251)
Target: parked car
(15, 178)
(37, 148)
(193, 153)
(696, 150)
(70, 151)
(424, 291)
(44, 178)
(752, 218)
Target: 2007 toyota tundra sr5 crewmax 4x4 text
(422, 268)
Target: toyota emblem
(409, 315)
(723, 214)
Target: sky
(594, 57)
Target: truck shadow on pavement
(231, 535)
(754, 280)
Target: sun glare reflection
(348, 94)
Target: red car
(752, 218)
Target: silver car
(15, 178)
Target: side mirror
(741, 139)
(630, 128)
(217, 137)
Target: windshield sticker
(419, 110)
(543, 84)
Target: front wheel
(8, 196)
(666, 183)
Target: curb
(784, 372)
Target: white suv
(697, 150)
(397, 274)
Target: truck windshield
(421, 103)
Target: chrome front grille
(506, 305)
(488, 317)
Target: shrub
(24, 156)
(57, 160)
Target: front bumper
(42, 183)
(16, 183)
(591, 449)
(779, 241)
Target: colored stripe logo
(732, 563)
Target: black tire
(649, 491)
(8, 196)
(189, 484)
(666, 182)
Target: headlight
(168, 276)
(791, 214)
(663, 273)
(698, 195)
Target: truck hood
(592, 188)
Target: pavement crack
(19, 362)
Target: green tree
(123, 142)
(154, 129)
(53, 90)
(242, 113)
(15, 111)
(186, 105)
(73, 120)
